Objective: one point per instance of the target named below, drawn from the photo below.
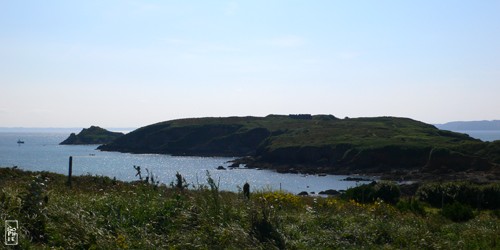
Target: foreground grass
(99, 213)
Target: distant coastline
(470, 125)
(484, 135)
(483, 130)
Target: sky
(130, 63)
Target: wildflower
(309, 209)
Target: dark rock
(234, 165)
(221, 168)
(303, 193)
(287, 171)
(356, 179)
(330, 192)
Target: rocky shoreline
(422, 174)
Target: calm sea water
(485, 135)
(41, 152)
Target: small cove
(41, 152)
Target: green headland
(390, 146)
(92, 135)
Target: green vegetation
(411, 205)
(92, 135)
(473, 195)
(457, 212)
(318, 144)
(102, 213)
(368, 193)
(289, 132)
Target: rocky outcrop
(92, 135)
(445, 161)
(330, 192)
(347, 158)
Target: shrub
(265, 231)
(457, 212)
(491, 196)
(469, 194)
(281, 199)
(387, 191)
(264, 225)
(496, 213)
(367, 193)
(362, 194)
(411, 205)
(440, 194)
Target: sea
(41, 152)
(484, 135)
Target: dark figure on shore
(138, 169)
(246, 190)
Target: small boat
(20, 142)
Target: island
(395, 147)
(92, 135)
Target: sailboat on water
(20, 142)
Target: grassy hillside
(289, 132)
(316, 143)
(100, 213)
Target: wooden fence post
(70, 170)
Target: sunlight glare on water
(42, 152)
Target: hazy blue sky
(132, 63)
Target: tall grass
(99, 213)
